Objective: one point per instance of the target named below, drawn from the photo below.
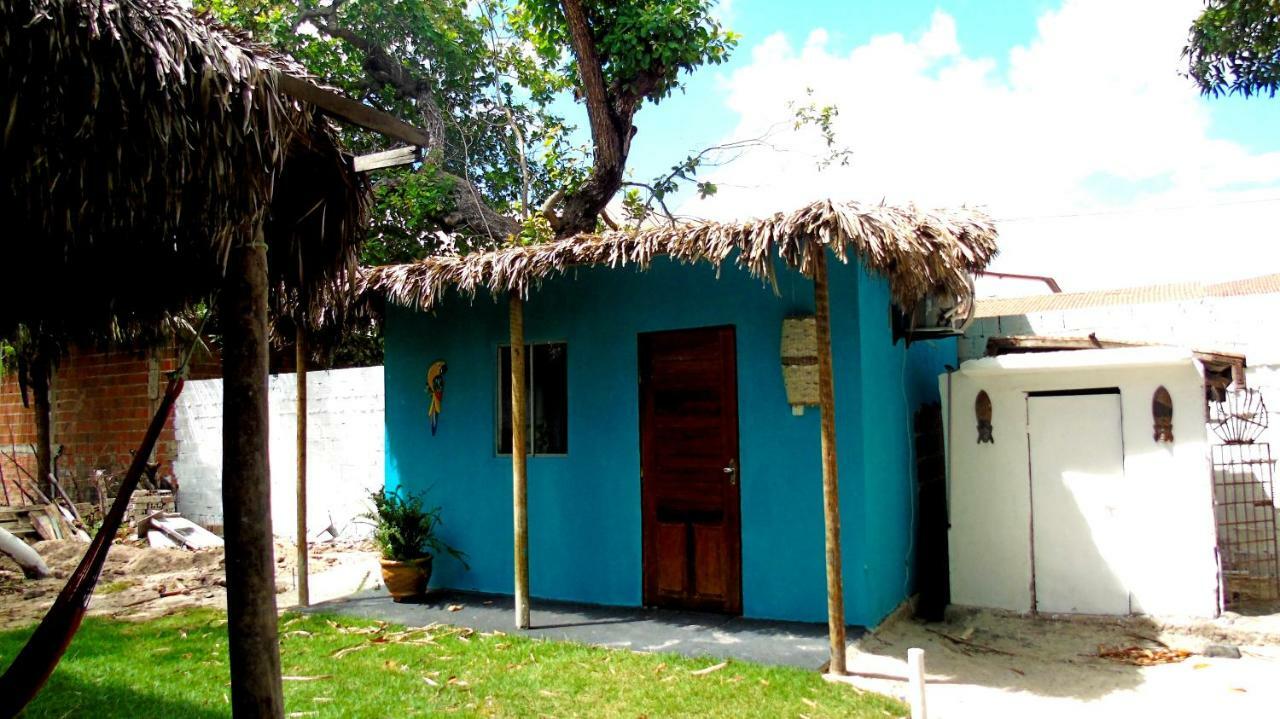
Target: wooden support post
(5, 486)
(519, 467)
(304, 588)
(41, 372)
(252, 643)
(830, 481)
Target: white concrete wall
(345, 446)
(1245, 324)
(1165, 553)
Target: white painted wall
(345, 445)
(1164, 551)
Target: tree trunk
(33, 567)
(610, 130)
(246, 488)
(41, 372)
(830, 482)
(304, 589)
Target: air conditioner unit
(940, 314)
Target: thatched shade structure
(919, 251)
(138, 142)
(150, 161)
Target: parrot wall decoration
(435, 388)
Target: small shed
(1080, 483)
(671, 459)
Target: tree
(1234, 47)
(483, 79)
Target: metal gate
(1244, 500)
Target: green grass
(342, 667)
(116, 587)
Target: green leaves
(644, 45)
(1234, 47)
(487, 75)
(821, 117)
(404, 530)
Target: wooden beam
(830, 481)
(387, 158)
(246, 484)
(304, 587)
(519, 463)
(1036, 343)
(356, 113)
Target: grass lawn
(342, 667)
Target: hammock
(37, 660)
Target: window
(547, 377)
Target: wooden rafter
(348, 110)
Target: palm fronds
(919, 251)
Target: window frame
(499, 400)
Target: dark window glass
(549, 393)
(547, 377)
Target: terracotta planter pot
(406, 580)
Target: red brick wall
(17, 432)
(102, 405)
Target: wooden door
(689, 470)
(1077, 480)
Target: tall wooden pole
(830, 481)
(519, 466)
(41, 372)
(304, 589)
(246, 484)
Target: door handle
(732, 470)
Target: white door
(1077, 476)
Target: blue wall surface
(584, 508)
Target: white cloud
(1090, 117)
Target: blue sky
(1067, 117)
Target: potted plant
(405, 533)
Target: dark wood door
(689, 470)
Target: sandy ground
(139, 582)
(990, 664)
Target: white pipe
(33, 567)
(915, 682)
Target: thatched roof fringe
(140, 140)
(919, 251)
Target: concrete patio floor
(692, 634)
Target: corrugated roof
(1151, 294)
(1264, 285)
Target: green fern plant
(404, 530)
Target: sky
(1067, 120)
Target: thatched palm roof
(138, 144)
(919, 251)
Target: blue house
(667, 463)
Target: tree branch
(604, 130)
(469, 214)
(610, 130)
(385, 69)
